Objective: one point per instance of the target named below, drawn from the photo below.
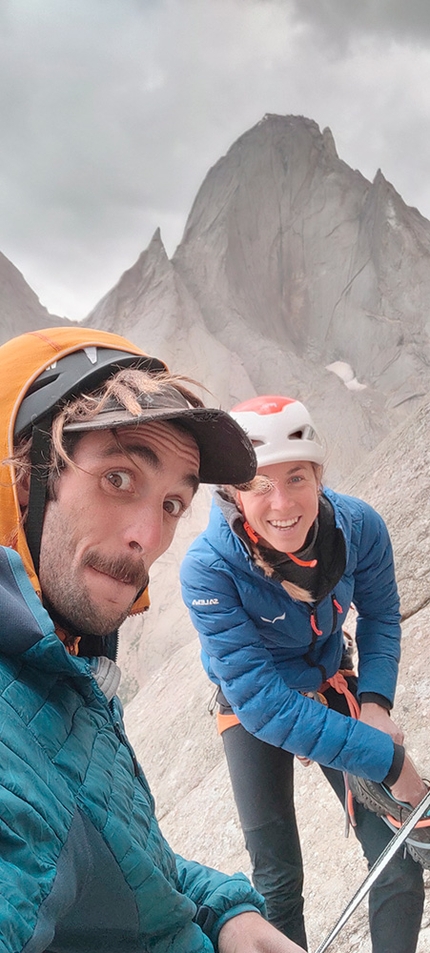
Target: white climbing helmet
(280, 429)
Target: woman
(268, 585)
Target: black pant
(262, 777)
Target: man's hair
(124, 387)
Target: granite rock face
(395, 479)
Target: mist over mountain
(296, 275)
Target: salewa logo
(205, 602)
(278, 618)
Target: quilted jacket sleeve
(264, 704)
(217, 896)
(32, 829)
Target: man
(103, 452)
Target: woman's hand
(378, 717)
(250, 933)
(409, 786)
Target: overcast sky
(113, 111)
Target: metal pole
(379, 865)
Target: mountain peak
(21, 308)
(329, 142)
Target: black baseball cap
(226, 454)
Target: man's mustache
(130, 571)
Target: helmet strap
(40, 459)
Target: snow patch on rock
(344, 370)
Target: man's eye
(119, 479)
(174, 507)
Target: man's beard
(78, 615)
(71, 593)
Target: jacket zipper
(336, 610)
(122, 737)
(316, 631)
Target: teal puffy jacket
(84, 866)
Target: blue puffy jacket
(83, 864)
(258, 642)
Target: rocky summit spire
(286, 241)
(274, 213)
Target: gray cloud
(112, 112)
(339, 22)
